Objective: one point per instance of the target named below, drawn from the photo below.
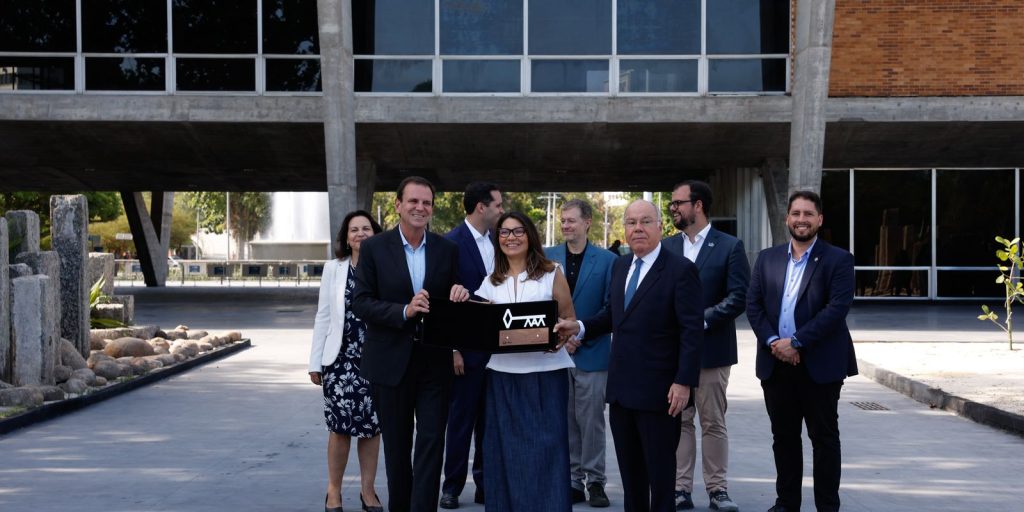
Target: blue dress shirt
(790, 294)
(416, 259)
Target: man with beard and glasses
(799, 296)
(724, 276)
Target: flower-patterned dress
(348, 406)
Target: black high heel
(337, 509)
(367, 508)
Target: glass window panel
(964, 235)
(737, 27)
(481, 76)
(893, 218)
(216, 74)
(214, 26)
(658, 27)
(481, 27)
(125, 74)
(570, 76)
(290, 27)
(658, 76)
(964, 283)
(37, 26)
(393, 76)
(747, 75)
(892, 283)
(393, 27)
(571, 27)
(835, 198)
(124, 26)
(296, 75)
(37, 73)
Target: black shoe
(683, 501)
(478, 496)
(778, 508)
(331, 509)
(598, 498)
(577, 495)
(368, 508)
(449, 501)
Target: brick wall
(928, 48)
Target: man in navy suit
(656, 316)
(724, 277)
(482, 202)
(399, 272)
(588, 270)
(800, 294)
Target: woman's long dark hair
(341, 247)
(537, 264)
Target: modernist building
(914, 109)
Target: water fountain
(299, 228)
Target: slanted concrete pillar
(28, 326)
(813, 59)
(336, 71)
(47, 263)
(69, 232)
(22, 231)
(366, 184)
(151, 232)
(774, 177)
(5, 305)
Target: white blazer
(328, 326)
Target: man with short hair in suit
(724, 277)
(655, 315)
(588, 270)
(400, 272)
(482, 202)
(800, 294)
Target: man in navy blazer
(724, 277)
(655, 315)
(800, 294)
(588, 270)
(482, 202)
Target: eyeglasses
(518, 232)
(646, 222)
(674, 205)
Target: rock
(234, 336)
(176, 335)
(189, 348)
(97, 343)
(70, 357)
(74, 386)
(107, 369)
(21, 397)
(181, 328)
(139, 366)
(126, 369)
(197, 335)
(85, 374)
(160, 345)
(153, 364)
(179, 357)
(133, 347)
(100, 382)
(136, 331)
(51, 393)
(32, 343)
(4, 385)
(5, 303)
(160, 334)
(101, 265)
(18, 270)
(69, 233)
(205, 347)
(114, 312)
(61, 373)
(127, 303)
(96, 357)
(47, 263)
(165, 359)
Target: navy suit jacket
(825, 297)
(472, 273)
(724, 277)
(589, 297)
(658, 338)
(383, 288)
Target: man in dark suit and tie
(724, 277)
(655, 315)
(588, 270)
(482, 202)
(800, 294)
(399, 272)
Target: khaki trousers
(710, 405)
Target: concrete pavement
(246, 432)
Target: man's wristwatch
(795, 343)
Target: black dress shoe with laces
(598, 499)
(478, 496)
(778, 508)
(449, 501)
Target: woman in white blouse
(334, 359)
(526, 423)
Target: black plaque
(494, 328)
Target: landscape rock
(197, 335)
(97, 343)
(136, 331)
(126, 369)
(160, 345)
(47, 263)
(5, 304)
(160, 334)
(100, 382)
(101, 265)
(17, 270)
(234, 335)
(189, 348)
(51, 393)
(70, 357)
(114, 312)
(21, 397)
(4, 385)
(133, 347)
(179, 356)
(22, 231)
(61, 373)
(181, 328)
(85, 374)
(176, 335)
(107, 369)
(139, 366)
(69, 233)
(96, 357)
(29, 334)
(205, 347)
(74, 386)
(165, 359)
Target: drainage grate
(870, 406)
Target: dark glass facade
(37, 73)
(124, 26)
(124, 74)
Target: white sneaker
(720, 501)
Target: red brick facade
(928, 48)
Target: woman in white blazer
(334, 360)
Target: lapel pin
(815, 260)
(712, 244)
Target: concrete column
(22, 231)
(47, 263)
(5, 305)
(336, 71)
(69, 233)
(161, 212)
(774, 176)
(813, 59)
(366, 184)
(152, 250)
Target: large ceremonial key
(495, 328)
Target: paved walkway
(246, 432)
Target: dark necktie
(633, 280)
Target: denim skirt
(526, 442)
